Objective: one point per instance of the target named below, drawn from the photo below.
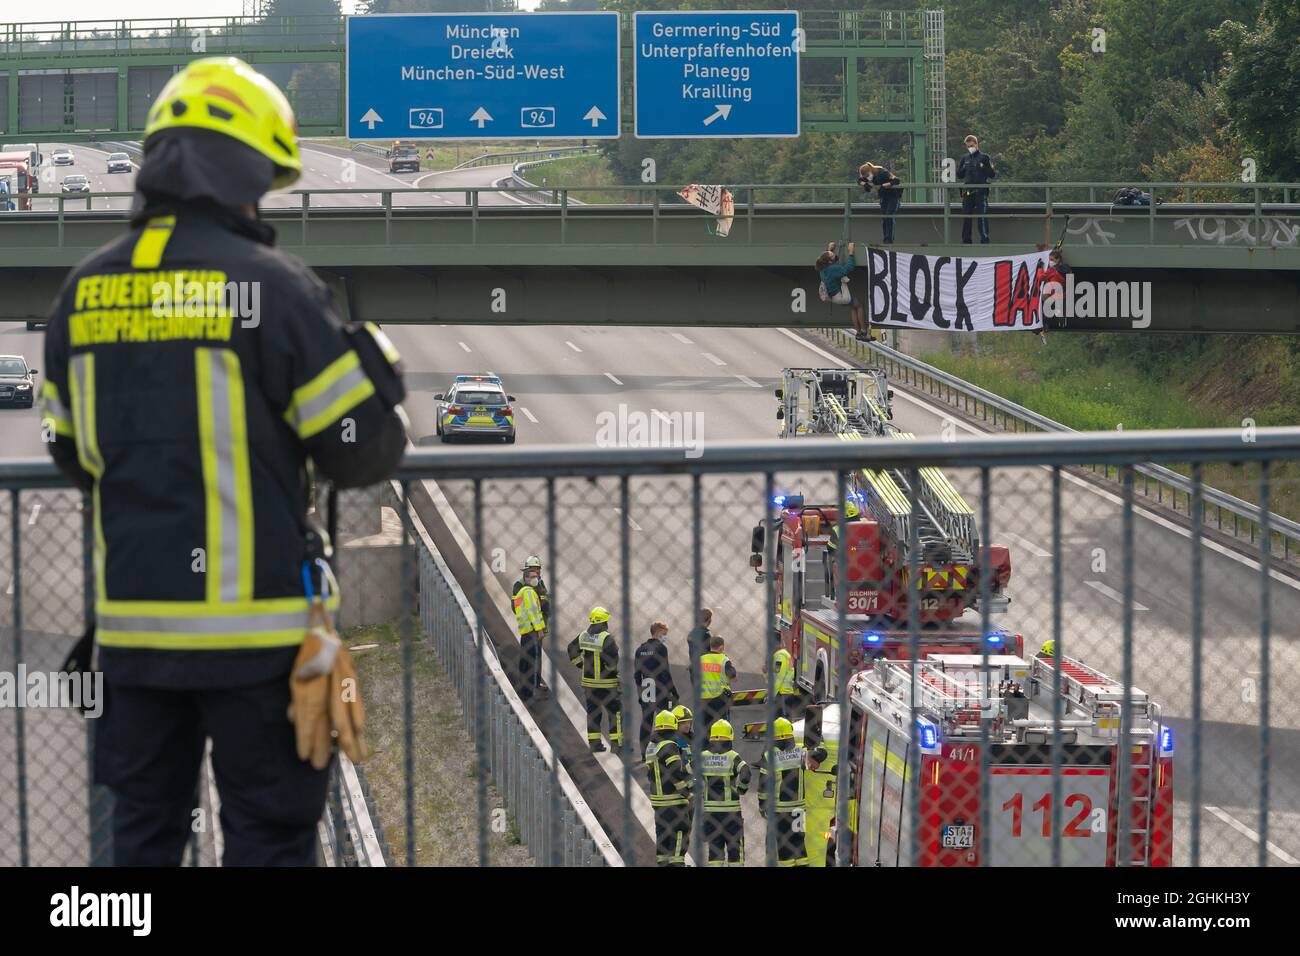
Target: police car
(476, 405)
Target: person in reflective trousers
(531, 621)
(726, 778)
(191, 423)
(595, 652)
(787, 762)
(669, 792)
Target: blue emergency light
(1167, 740)
(871, 637)
(929, 736)
(997, 638)
(778, 500)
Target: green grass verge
(1104, 382)
(446, 819)
(587, 173)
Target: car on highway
(62, 156)
(76, 184)
(404, 157)
(119, 163)
(16, 382)
(476, 405)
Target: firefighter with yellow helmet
(726, 779)
(670, 784)
(192, 371)
(786, 763)
(595, 653)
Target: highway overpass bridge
(640, 256)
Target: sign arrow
(723, 110)
(595, 115)
(371, 118)
(481, 116)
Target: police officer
(851, 513)
(669, 791)
(654, 680)
(786, 761)
(595, 652)
(716, 674)
(531, 621)
(726, 778)
(193, 432)
(975, 170)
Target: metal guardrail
(373, 150)
(550, 811)
(523, 155)
(1169, 485)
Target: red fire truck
(1116, 799)
(854, 405)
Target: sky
(140, 10)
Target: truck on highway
(20, 182)
(1116, 783)
(404, 157)
(31, 149)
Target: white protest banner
(955, 293)
(715, 199)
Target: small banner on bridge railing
(714, 199)
(957, 294)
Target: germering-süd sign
(483, 76)
(954, 293)
(716, 75)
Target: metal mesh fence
(951, 701)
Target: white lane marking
(464, 346)
(214, 802)
(36, 510)
(1073, 479)
(511, 196)
(683, 339)
(1251, 835)
(613, 378)
(529, 415)
(572, 346)
(630, 521)
(713, 358)
(747, 380)
(1025, 543)
(1114, 595)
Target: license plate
(958, 837)
(481, 410)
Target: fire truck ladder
(1103, 696)
(944, 699)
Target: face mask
(974, 149)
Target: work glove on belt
(325, 697)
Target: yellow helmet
(722, 731)
(598, 615)
(664, 720)
(226, 95)
(683, 714)
(783, 729)
(851, 509)
(1048, 649)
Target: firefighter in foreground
(726, 778)
(193, 433)
(670, 784)
(595, 652)
(530, 617)
(787, 762)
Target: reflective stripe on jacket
(784, 672)
(528, 610)
(714, 681)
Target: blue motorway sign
(716, 75)
(483, 76)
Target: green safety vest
(657, 763)
(784, 672)
(713, 676)
(590, 645)
(720, 782)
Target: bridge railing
(217, 34)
